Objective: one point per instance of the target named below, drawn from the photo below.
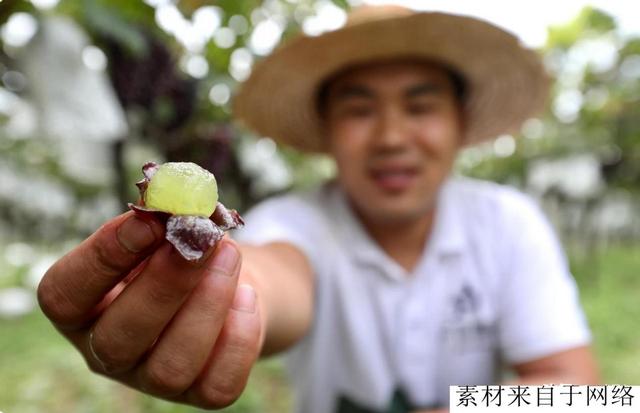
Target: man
(385, 287)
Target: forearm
(282, 279)
(573, 366)
(558, 377)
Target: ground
(39, 371)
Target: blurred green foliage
(589, 22)
(39, 371)
(598, 68)
(175, 113)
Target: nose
(391, 131)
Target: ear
(325, 131)
(328, 135)
(462, 125)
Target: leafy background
(176, 91)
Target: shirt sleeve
(541, 313)
(291, 219)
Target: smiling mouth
(396, 179)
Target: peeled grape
(185, 197)
(182, 188)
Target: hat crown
(368, 13)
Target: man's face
(394, 129)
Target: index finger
(77, 282)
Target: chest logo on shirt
(465, 304)
(465, 326)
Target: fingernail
(225, 259)
(135, 234)
(245, 299)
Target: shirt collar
(447, 236)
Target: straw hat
(506, 83)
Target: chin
(396, 211)
(390, 207)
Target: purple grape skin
(192, 236)
(225, 218)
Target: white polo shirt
(492, 287)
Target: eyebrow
(353, 91)
(359, 91)
(426, 88)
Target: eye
(360, 111)
(421, 108)
(356, 111)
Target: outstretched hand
(140, 314)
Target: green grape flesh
(182, 188)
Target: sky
(527, 19)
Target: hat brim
(506, 83)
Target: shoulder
(489, 194)
(508, 226)
(484, 201)
(500, 224)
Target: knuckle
(168, 378)
(163, 296)
(47, 298)
(106, 256)
(244, 340)
(218, 271)
(242, 344)
(93, 365)
(56, 305)
(216, 297)
(113, 357)
(164, 291)
(220, 395)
